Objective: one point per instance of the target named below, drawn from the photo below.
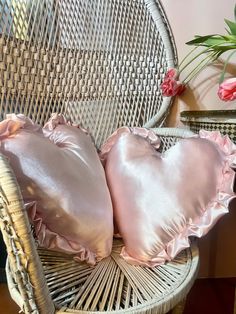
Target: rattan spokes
(115, 286)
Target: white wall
(199, 17)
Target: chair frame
(38, 77)
(25, 272)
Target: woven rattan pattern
(112, 285)
(99, 62)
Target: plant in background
(207, 49)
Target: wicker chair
(100, 63)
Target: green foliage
(208, 49)
(232, 27)
(208, 40)
(215, 43)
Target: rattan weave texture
(100, 63)
(113, 286)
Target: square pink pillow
(159, 200)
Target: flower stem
(195, 57)
(210, 58)
(208, 49)
(191, 51)
(225, 65)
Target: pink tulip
(171, 86)
(227, 89)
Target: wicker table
(211, 120)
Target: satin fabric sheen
(147, 134)
(63, 183)
(159, 200)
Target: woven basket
(211, 120)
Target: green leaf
(199, 39)
(214, 41)
(235, 12)
(228, 31)
(227, 47)
(231, 38)
(232, 26)
(210, 40)
(223, 49)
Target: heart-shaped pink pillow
(159, 200)
(63, 183)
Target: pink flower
(227, 89)
(171, 86)
(172, 73)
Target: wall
(202, 17)
(199, 17)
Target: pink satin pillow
(159, 200)
(63, 183)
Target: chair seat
(114, 286)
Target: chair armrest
(173, 132)
(24, 262)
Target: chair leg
(179, 308)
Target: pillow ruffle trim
(59, 119)
(53, 241)
(211, 214)
(149, 135)
(13, 123)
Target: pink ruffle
(53, 241)
(55, 120)
(223, 142)
(212, 213)
(9, 127)
(59, 119)
(14, 123)
(149, 135)
(219, 205)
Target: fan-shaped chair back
(99, 62)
